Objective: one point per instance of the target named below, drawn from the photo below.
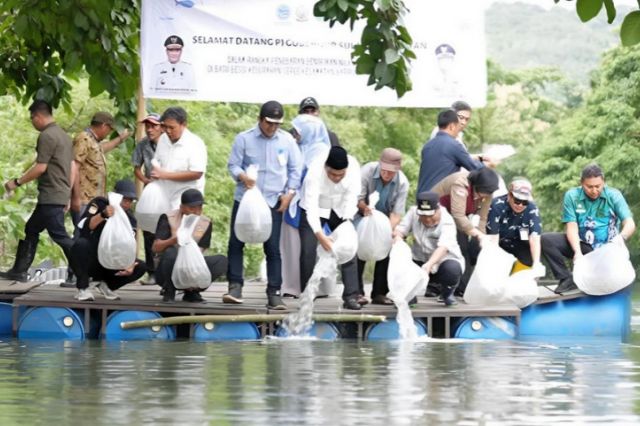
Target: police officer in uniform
(173, 75)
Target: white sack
(117, 245)
(190, 269)
(153, 203)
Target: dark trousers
(51, 218)
(556, 250)
(217, 266)
(380, 284)
(85, 264)
(520, 249)
(470, 248)
(448, 275)
(149, 256)
(271, 247)
(308, 251)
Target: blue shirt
(278, 159)
(598, 220)
(508, 224)
(442, 156)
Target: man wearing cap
(434, 247)
(279, 163)
(443, 156)
(141, 158)
(84, 253)
(385, 178)
(173, 75)
(329, 197)
(89, 161)
(463, 194)
(310, 106)
(52, 170)
(181, 157)
(594, 214)
(514, 223)
(166, 245)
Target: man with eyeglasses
(141, 159)
(173, 75)
(514, 222)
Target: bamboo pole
(201, 319)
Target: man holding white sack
(181, 155)
(166, 244)
(84, 252)
(279, 164)
(593, 214)
(385, 178)
(329, 197)
(435, 247)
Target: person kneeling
(435, 247)
(84, 252)
(166, 244)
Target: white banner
(257, 50)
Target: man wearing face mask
(514, 223)
(434, 247)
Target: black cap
(308, 102)
(126, 188)
(192, 198)
(484, 180)
(428, 203)
(272, 112)
(337, 158)
(173, 39)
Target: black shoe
(234, 295)
(432, 291)
(24, 258)
(381, 299)
(192, 296)
(15, 276)
(352, 303)
(274, 301)
(450, 300)
(289, 295)
(169, 294)
(566, 285)
(413, 302)
(447, 296)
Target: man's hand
(158, 173)
(10, 185)
(325, 242)
(123, 135)
(577, 255)
(285, 200)
(246, 180)
(108, 211)
(427, 267)
(126, 272)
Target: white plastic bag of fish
(406, 279)
(605, 270)
(253, 219)
(117, 245)
(190, 269)
(152, 204)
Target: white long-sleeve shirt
(319, 195)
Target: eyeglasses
(519, 202)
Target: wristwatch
(15, 181)
(291, 191)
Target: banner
(257, 50)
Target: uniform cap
(391, 160)
(272, 112)
(521, 189)
(445, 50)
(308, 102)
(126, 188)
(173, 40)
(192, 198)
(152, 118)
(428, 203)
(102, 117)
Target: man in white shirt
(328, 198)
(181, 157)
(435, 246)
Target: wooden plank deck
(135, 296)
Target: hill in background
(527, 36)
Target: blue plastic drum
(494, 328)
(113, 330)
(389, 330)
(50, 323)
(319, 330)
(225, 331)
(6, 319)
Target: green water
(301, 382)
